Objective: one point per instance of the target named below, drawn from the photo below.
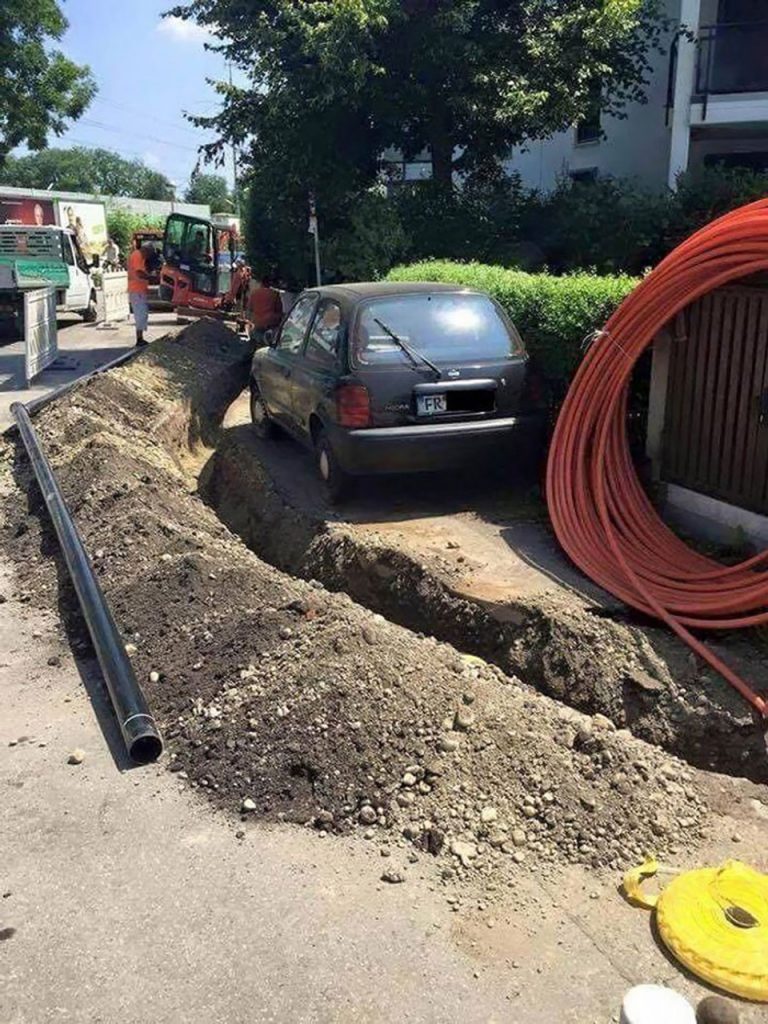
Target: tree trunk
(441, 147)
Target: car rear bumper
(433, 446)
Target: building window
(588, 129)
(585, 176)
(394, 169)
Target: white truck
(43, 257)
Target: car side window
(295, 327)
(323, 344)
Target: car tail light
(353, 405)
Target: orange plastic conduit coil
(601, 514)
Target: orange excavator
(203, 270)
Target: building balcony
(731, 80)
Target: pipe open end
(146, 748)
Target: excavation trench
(580, 648)
(282, 697)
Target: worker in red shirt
(265, 309)
(138, 290)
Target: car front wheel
(337, 483)
(263, 424)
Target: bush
(553, 314)
(121, 225)
(709, 192)
(607, 225)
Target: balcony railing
(732, 58)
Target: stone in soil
(393, 876)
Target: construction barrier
(113, 296)
(41, 342)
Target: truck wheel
(91, 314)
(263, 424)
(336, 481)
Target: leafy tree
(41, 88)
(211, 189)
(121, 225)
(87, 170)
(465, 79)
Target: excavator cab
(198, 257)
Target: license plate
(431, 405)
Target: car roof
(350, 295)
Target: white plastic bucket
(652, 1004)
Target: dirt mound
(639, 676)
(282, 700)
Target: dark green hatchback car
(390, 378)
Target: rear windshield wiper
(413, 353)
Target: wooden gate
(716, 420)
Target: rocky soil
(282, 700)
(593, 654)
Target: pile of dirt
(595, 658)
(281, 700)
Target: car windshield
(444, 326)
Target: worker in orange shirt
(138, 290)
(265, 309)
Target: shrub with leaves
(121, 225)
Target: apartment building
(706, 102)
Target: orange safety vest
(136, 262)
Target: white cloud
(184, 31)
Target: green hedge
(552, 314)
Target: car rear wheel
(263, 424)
(336, 482)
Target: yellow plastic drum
(715, 921)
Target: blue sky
(149, 71)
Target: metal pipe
(140, 733)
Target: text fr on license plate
(430, 405)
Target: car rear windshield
(444, 326)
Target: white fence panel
(115, 295)
(41, 341)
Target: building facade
(706, 103)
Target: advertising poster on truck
(26, 211)
(88, 222)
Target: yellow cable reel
(714, 921)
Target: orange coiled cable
(600, 512)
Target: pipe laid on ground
(140, 733)
(601, 514)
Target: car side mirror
(95, 261)
(270, 337)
